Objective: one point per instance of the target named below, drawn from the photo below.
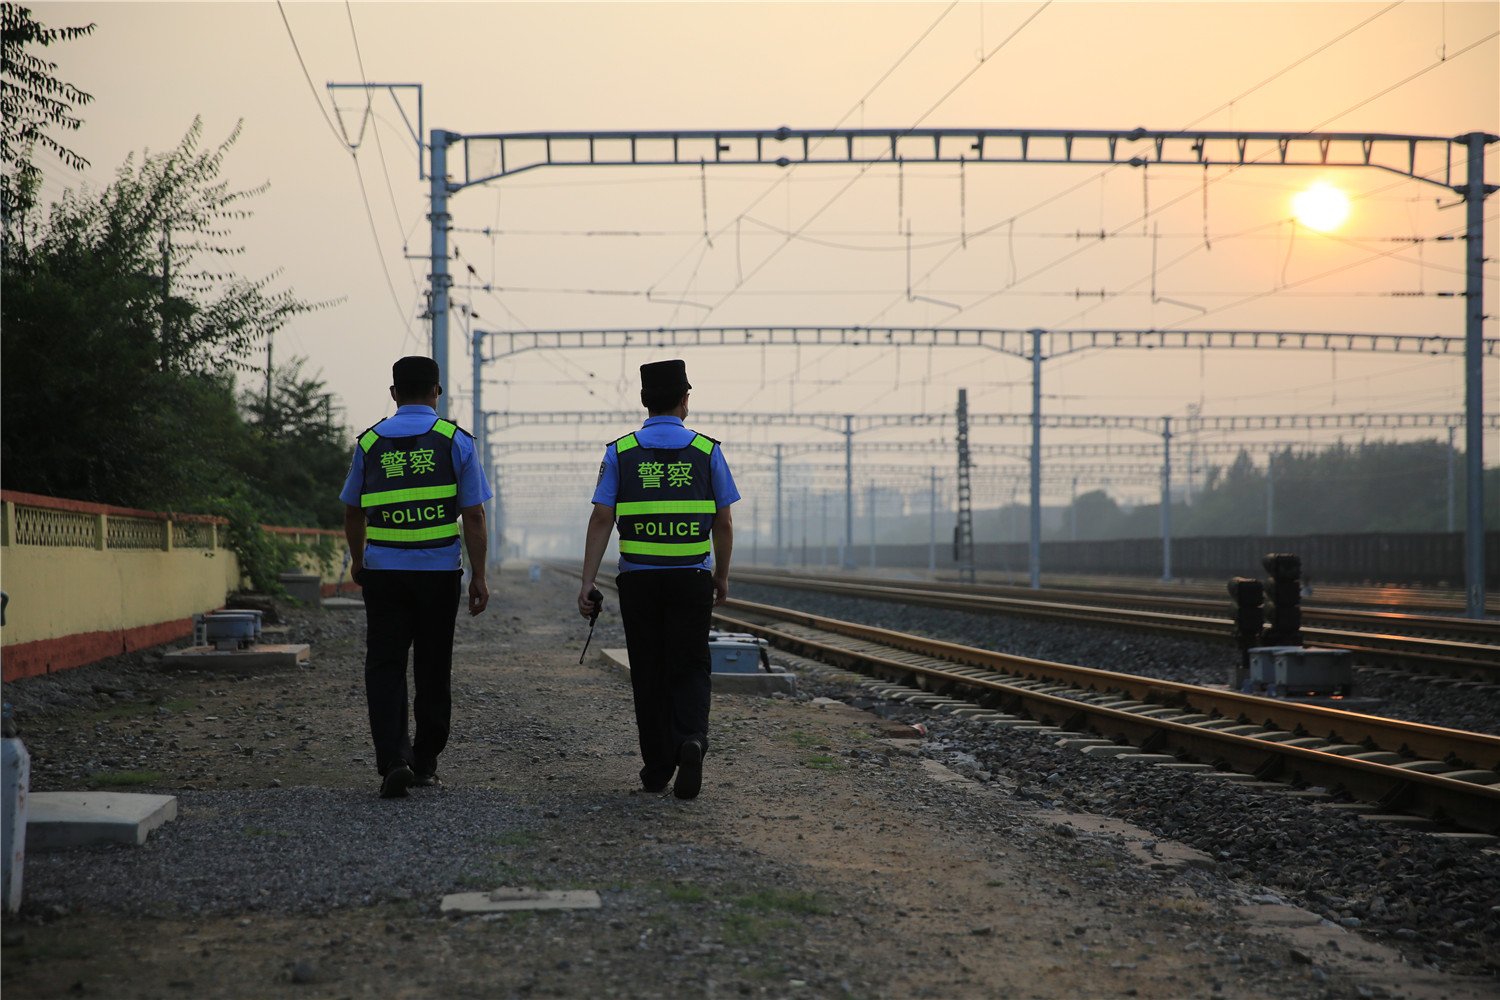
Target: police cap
(415, 371)
(665, 376)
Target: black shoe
(689, 771)
(429, 780)
(653, 789)
(396, 782)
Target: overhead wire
(785, 178)
(1156, 210)
(364, 196)
(865, 168)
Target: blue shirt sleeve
(608, 487)
(473, 487)
(354, 483)
(725, 492)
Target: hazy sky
(991, 245)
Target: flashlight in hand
(598, 601)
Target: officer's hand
(721, 589)
(479, 596)
(587, 607)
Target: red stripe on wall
(47, 656)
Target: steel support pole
(1474, 196)
(1036, 460)
(1073, 513)
(478, 363)
(848, 560)
(1450, 480)
(1270, 494)
(438, 279)
(823, 535)
(778, 559)
(872, 524)
(1166, 499)
(755, 530)
(932, 522)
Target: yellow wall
(71, 569)
(57, 592)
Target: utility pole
(823, 545)
(755, 530)
(872, 524)
(1270, 494)
(1475, 192)
(1073, 512)
(806, 516)
(1166, 499)
(1450, 480)
(932, 525)
(166, 295)
(1035, 552)
(439, 279)
(848, 555)
(266, 420)
(779, 559)
(963, 532)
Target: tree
(32, 101)
(122, 330)
(300, 453)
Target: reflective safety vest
(665, 502)
(410, 490)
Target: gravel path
(822, 861)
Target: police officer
(414, 476)
(669, 489)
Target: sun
(1321, 207)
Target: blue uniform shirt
(473, 490)
(664, 432)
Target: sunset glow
(1321, 207)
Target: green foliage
(32, 102)
(123, 330)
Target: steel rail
(1460, 659)
(1482, 631)
(1468, 797)
(1410, 598)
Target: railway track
(1462, 648)
(1447, 776)
(1408, 599)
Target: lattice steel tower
(963, 532)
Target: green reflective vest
(665, 507)
(410, 489)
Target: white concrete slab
(509, 899)
(262, 657)
(760, 682)
(59, 820)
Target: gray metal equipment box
(738, 653)
(1298, 668)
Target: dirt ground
(822, 859)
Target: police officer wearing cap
(669, 490)
(413, 479)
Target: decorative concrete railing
(87, 581)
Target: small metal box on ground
(1296, 670)
(737, 653)
(307, 588)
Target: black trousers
(409, 610)
(667, 613)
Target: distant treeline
(1378, 486)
